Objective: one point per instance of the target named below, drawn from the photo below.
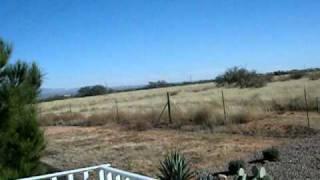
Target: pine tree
(21, 139)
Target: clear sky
(127, 42)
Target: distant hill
(51, 92)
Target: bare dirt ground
(140, 151)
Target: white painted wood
(86, 175)
(127, 174)
(70, 177)
(65, 173)
(105, 172)
(114, 176)
(108, 175)
(101, 174)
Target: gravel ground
(299, 160)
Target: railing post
(101, 174)
(86, 175)
(70, 177)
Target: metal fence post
(307, 106)
(169, 108)
(224, 107)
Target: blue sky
(127, 42)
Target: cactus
(257, 174)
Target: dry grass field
(189, 96)
(140, 149)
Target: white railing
(104, 172)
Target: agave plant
(175, 167)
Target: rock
(222, 177)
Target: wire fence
(170, 110)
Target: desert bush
(139, 121)
(294, 104)
(175, 167)
(100, 119)
(63, 119)
(207, 118)
(201, 116)
(241, 77)
(297, 75)
(22, 141)
(235, 165)
(314, 75)
(241, 117)
(140, 125)
(271, 154)
(48, 119)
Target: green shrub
(175, 167)
(271, 154)
(235, 165)
(241, 77)
(22, 141)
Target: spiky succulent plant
(175, 167)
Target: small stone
(222, 177)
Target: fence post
(224, 107)
(307, 107)
(317, 101)
(70, 109)
(169, 108)
(39, 111)
(117, 110)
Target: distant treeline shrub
(241, 77)
(54, 98)
(307, 70)
(312, 73)
(158, 84)
(93, 90)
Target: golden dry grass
(186, 98)
(134, 144)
